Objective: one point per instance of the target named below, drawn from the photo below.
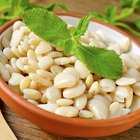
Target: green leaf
(125, 12)
(110, 13)
(137, 23)
(18, 6)
(51, 6)
(69, 46)
(47, 25)
(102, 62)
(130, 4)
(82, 26)
(100, 17)
(5, 4)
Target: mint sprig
(105, 63)
(11, 9)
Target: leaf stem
(120, 24)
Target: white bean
(56, 69)
(43, 48)
(98, 108)
(136, 103)
(25, 83)
(62, 61)
(45, 62)
(55, 54)
(8, 53)
(33, 101)
(115, 110)
(124, 81)
(107, 85)
(5, 73)
(103, 99)
(14, 66)
(51, 107)
(40, 80)
(80, 102)
(16, 38)
(81, 69)
(17, 25)
(46, 74)
(64, 102)
(129, 61)
(136, 88)
(89, 80)
(74, 91)
(64, 80)
(53, 94)
(15, 79)
(85, 114)
(3, 59)
(32, 94)
(67, 111)
(5, 42)
(133, 73)
(125, 44)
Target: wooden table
(25, 130)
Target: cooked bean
(81, 69)
(85, 114)
(40, 80)
(45, 62)
(103, 99)
(56, 69)
(133, 73)
(124, 81)
(51, 107)
(43, 48)
(5, 42)
(8, 53)
(115, 110)
(14, 66)
(46, 74)
(89, 80)
(44, 98)
(136, 103)
(74, 91)
(62, 61)
(64, 102)
(33, 101)
(15, 79)
(32, 94)
(53, 94)
(136, 88)
(16, 38)
(98, 108)
(80, 102)
(67, 111)
(3, 59)
(64, 80)
(25, 83)
(107, 85)
(4, 73)
(17, 25)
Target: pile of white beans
(61, 84)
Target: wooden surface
(25, 130)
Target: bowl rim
(51, 116)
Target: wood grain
(25, 130)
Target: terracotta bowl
(63, 126)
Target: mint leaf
(69, 46)
(53, 29)
(47, 25)
(51, 6)
(102, 62)
(137, 23)
(110, 13)
(82, 26)
(124, 13)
